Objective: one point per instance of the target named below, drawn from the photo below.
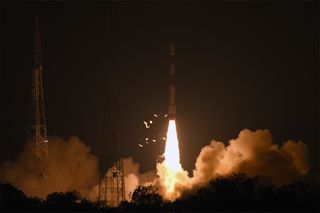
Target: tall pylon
(112, 186)
(37, 132)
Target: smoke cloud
(133, 177)
(252, 153)
(71, 167)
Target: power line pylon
(37, 132)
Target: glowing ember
(172, 158)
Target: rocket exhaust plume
(170, 172)
(172, 158)
(252, 153)
(171, 154)
(169, 169)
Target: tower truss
(112, 185)
(37, 132)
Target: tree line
(232, 193)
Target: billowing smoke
(133, 177)
(252, 153)
(71, 167)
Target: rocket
(172, 87)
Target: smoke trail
(71, 167)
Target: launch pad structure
(112, 185)
(37, 130)
(112, 188)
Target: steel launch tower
(37, 132)
(112, 186)
(113, 182)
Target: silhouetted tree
(232, 193)
(13, 199)
(296, 197)
(68, 201)
(145, 198)
(241, 193)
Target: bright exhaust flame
(172, 158)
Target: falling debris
(154, 140)
(155, 115)
(165, 115)
(150, 121)
(140, 145)
(163, 138)
(145, 123)
(147, 139)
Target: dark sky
(238, 65)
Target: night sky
(238, 65)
